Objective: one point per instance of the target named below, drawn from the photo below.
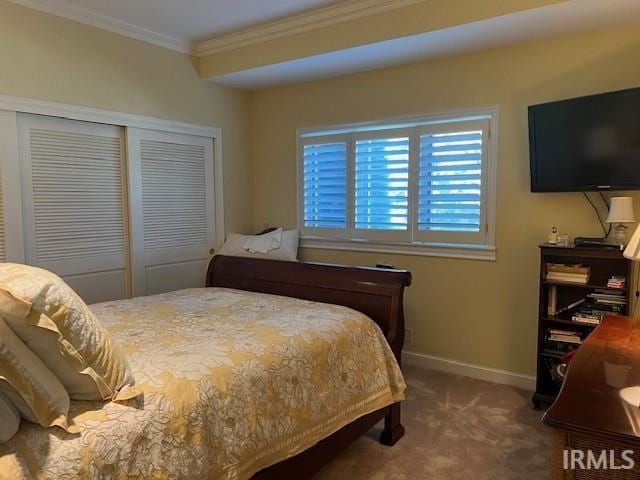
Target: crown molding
(303, 22)
(89, 17)
(100, 115)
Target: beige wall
(49, 58)
(472, 311)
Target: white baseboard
(504, 377)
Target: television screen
(588, 143)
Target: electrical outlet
(408, 335)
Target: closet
(73, 203)
(172, 209)
(117, 211)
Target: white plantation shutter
(381, 206)
(324, 184)
(450, 182)
(422, 185)
(174, 197)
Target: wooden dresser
(598, 405)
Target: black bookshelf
(603, 262)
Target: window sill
(468, 252)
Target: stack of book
(599, 304)
(617, 281)
(566, 336)
(561, 341)
(560, 272)
(584, 317)
(614, 301)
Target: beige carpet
(457, 428)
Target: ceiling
(569, 17)
(181, 23)
(235, 34)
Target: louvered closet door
(11, 217)
(74, 203)
(171, 188)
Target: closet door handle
(212, 251)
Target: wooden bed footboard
(378, 293)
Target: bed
(268, 372)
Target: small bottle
(553, 236)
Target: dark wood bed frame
(375, 292)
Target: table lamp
(621, 212)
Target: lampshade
(621, 210)
(633, 247)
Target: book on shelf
(587, 318)
(577, 268)
(568, 277)
(561, 272)
(552, 302)
(608, 298)
(564, 336)
(592, 311)
(604, 293)
(600, 312)
(561, 339)
(617, 281)
(589, 309)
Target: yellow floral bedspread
(232, 382)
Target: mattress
(230, 382)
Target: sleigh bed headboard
(378, 293)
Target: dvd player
(594, 242)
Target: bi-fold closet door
(115, 211)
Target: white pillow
(54, 322)
(31, 387)
(9, 419)
(243, 245)
(10, 393)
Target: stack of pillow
(52, 350)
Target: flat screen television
(586, 144)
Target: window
(325, 184)
(381, 202)
(424, 186)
